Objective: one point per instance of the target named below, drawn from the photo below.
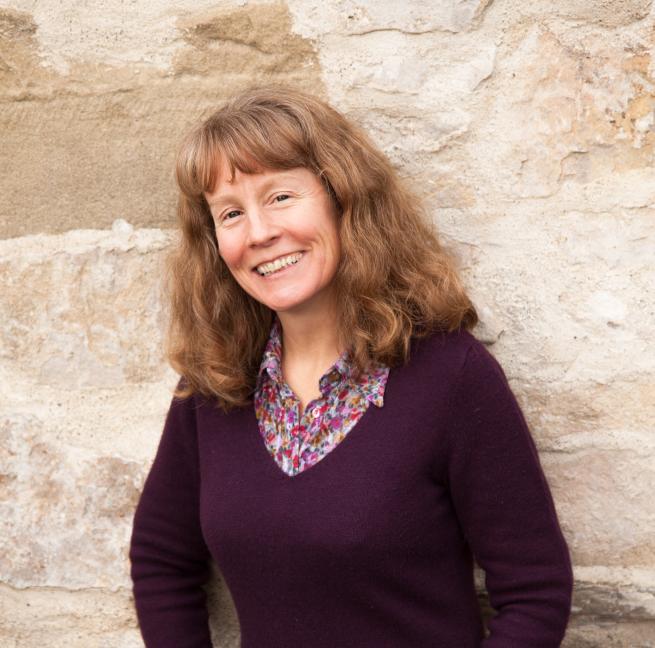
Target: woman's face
(284, 218)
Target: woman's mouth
(279, 265)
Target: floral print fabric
(297, 442)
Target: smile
(278, 264)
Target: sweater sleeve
(170, 561)
(506, 510)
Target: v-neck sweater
(374, 545)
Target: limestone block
(422, 102)
(66, 513)
(608, 517)
(60, 618)
(620, 592)
(574, 120)
(612, 607)
(72, 464)
(256, 40)
(125, 422)
(588, 336)
(83, 310)
(396, 70)
(418, 115)
(356, 17)
(68, 31)
(608, 13)
(610, 634)
(18, 45)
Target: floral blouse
(297, 442)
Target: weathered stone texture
(78, 314)
(528, 129)
(610, 518)
(609, 634)
(358, 17)
(66, 517)
(59, 618)
(90, 129)
(574, 120)
(65, 512)
(608, 13)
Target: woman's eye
(234, 212)
(281, 197)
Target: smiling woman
(339, 442)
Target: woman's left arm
(506, 510)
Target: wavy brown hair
(395, 280)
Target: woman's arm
(170, 561)
(506, 510)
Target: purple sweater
(373, 545)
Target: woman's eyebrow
(220, 200)
(226, 198)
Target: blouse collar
(339, 374)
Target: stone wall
(526, 127)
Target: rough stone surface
(92, 110)
(60, 618)
(527, 128)
(85, 310)
(65, 511)
(609, 634)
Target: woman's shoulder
(450, 347)
(458, 354)
(468, 361)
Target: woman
(339, 443)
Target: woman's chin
(295, 304)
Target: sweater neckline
(352, 439)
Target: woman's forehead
(226, 166)
(227, 178)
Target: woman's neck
(310, 341)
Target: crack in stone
(472, 24)
(70, 590)
(439, 30)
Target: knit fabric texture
(375, 544)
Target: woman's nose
(261, 227)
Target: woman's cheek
(226, 248)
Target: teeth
(278, 264)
